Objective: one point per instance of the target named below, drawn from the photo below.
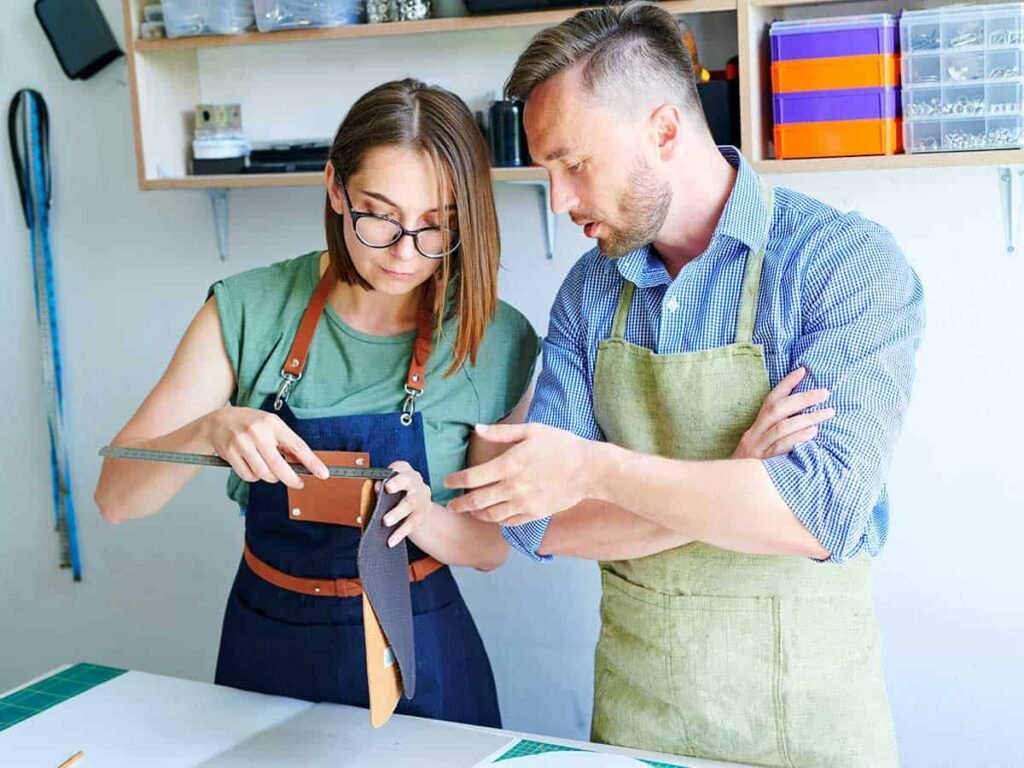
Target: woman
(406, 347)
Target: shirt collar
(743, 220)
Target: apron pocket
(832, 687)
(724, 669)
(442, 688)
(690, 675)
(314, 662)
(633, 698)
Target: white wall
(133, 267)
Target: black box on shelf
(515, 6)
(721, 102)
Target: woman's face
(401, 184)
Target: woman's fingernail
(392, 543)
(389, 520)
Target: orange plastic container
(875, 71)
(841, 138)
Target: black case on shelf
(79, 35)
(514, 6)
(721, 102)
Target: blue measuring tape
(28, 125)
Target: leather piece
(336, 500)
(384, 572)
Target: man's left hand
(544, 471)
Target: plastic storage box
(963, 74)
(877, 71)
(826, 38)
(835, 87)
(828, 106)
(273, 15)
(847, 138)
(184, 18)
(962, 28)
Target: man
(737, 620)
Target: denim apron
(311, 647)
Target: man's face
(599, 163)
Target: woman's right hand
(255, 444)
(781, 425)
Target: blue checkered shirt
(837, 296)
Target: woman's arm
(450, 537)
(186, 411)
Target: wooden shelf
(783, 3)
(893, 162)
(304, 179)
(455, 24)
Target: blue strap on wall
(28, 126)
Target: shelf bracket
(550, 220)
(219, 201)
(1010, 181)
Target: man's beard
(643, 207)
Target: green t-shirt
(349, 372)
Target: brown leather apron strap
(418, 571)
(421, 347)
(296, 362)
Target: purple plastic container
(845, 104)
(826, 38)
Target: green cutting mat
(33, 699)
(525, 748)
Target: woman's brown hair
(427, 118)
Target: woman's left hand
(412, 510)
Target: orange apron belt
(418, 571)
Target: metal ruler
(203, 460)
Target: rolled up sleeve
(862, 317)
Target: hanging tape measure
(28, 126)
(204, 460)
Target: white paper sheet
(329, 736)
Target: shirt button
(672, 305)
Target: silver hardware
(360, 461)
(959, 74)
(296, 512)
(409, 406)
(290, 380)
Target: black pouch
(79, 35)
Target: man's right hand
(781, 424)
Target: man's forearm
(731, 504)
(598, 530)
